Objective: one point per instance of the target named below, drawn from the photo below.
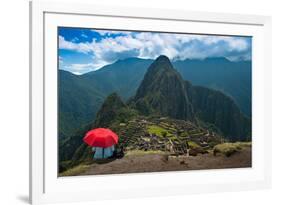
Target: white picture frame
(46, 187)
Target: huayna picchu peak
(162, 91)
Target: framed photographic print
(147, 103)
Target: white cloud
(60, 60)
(75, 39)
(150, 45)
(79, 69)
(84, 35)
(69, 45)
(237, 44)
(109, 33)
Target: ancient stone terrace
(164, 134)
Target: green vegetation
(172, 137)
(221, 111)
(197, 133)
(141, 152)
(218, 74)
(184, 134)
(159, 131)
(230, 148)
(78, 103)
(193, 145)
(164, 134)
(75, 170)
(244, 144)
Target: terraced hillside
(164, 134)
(150, 133)
(161, 144)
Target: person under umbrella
(102, 141)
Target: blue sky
(83, 50)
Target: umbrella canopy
(101, 137)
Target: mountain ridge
(125, 76)
(164, 91)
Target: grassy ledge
(230, 148)
(75, 170)
(141, 152)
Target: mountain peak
(113, 101)
(162, 58)
(162, 91)
(217, 59)
(108, 110)
(162, 64)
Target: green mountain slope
(122, 77)
(214, 107)
(232, 78)
(78, 102)
(72, 150)
(162, 91)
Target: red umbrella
(101, 137)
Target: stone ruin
(177, 145)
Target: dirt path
(159, 162)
